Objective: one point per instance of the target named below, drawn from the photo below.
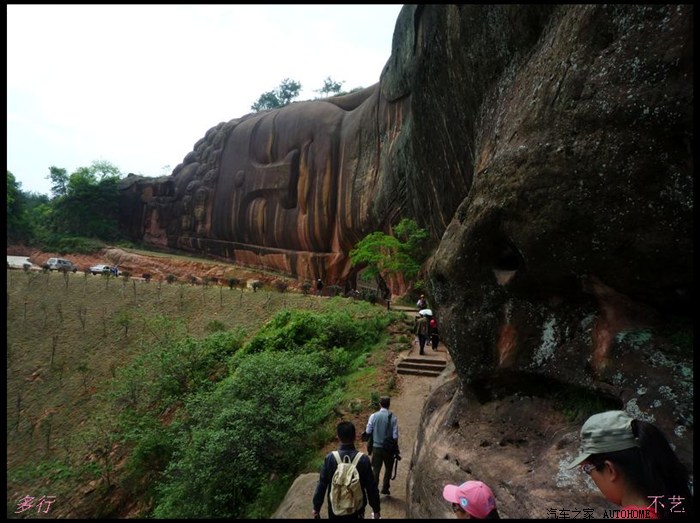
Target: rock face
(566, 270)
(549, 147)
(290, 189)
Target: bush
(233, 282)
(306, 287)
(216, 326)
(281, 286)
(171, 278)
(126, 275)
(369, 295)
(73, 244)
(146, 276)
(334, 290)
(263, 432)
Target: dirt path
(407, 405)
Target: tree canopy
(289, 89)
(84, 204)
(400, 253)
(283, 95)
(330, 86)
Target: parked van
(61, 264)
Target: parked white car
(100, 269)
(104, 269)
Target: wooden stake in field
(82, 315)
(53, 347)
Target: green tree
(89, 206)
(330, 86)
(17, 228)
(103, 169)
(283, 95)
(26, 212)
(59, 181)
(400, 253)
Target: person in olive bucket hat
(633, 465)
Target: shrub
(126, 275)
(233, 282)
(146, 276)
(369, 295)
(281, 286)
(73, 244)
(277, 400)
(216, 326)
(335, 290)
(306, 288)
(192, 279)
(171, 278)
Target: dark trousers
(422, 338)
(382, 457)
(436, 341)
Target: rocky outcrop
(549, 149)
(569, 261)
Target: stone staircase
(421, 365)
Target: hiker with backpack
(383, 430)
(346, 475)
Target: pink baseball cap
(474, 497)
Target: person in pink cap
(471, 499)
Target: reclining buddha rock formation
(291, 189)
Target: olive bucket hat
(605, 432)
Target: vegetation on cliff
(134, 398)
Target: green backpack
(346, 490)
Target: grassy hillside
(68, 337)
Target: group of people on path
(425, 327)
(382, 436)
(629, 460)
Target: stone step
(424, 361)
(418, 372)
(420, 367)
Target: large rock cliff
(565, 274)
(549, 149)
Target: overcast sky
(139, 85)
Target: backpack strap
(354, 462)
(356, 459)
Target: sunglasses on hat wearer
(588, 468)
